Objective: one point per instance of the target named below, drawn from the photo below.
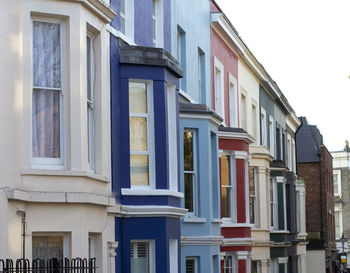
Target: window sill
(44, 172)
(279, 231)
(194, 219)
(151, 192)
(217, 221)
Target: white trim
(202, 240)
(48, 162)
(241, 155)
(150, 192)
(219, 95)
(263, 122)
(173, 256)
(247, 199)
(337, 172)
(187, 96)
(233, 100)
(234, 135)
(159, 21)
(152, 211)
(282, 260)
(236, 225)
(116, 33)
(272, 135)
(193, 219)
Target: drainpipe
(23, 215)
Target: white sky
(305, 47)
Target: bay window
(141, 140)
(48, 54)
(190, 171)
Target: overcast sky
(305, 47)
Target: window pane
(335, 181)
(254, 267)
(122, 6)
(225, 170)
(139, 170)
(47, 247)
(252, 210)
(137, 97)
(226, 202)
(189, 191)
(89, 67)
(46, 54)
(46, 123)
(228, 264)
(188, 151)
(138, 134)
(139, 257)
(122, 25)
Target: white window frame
(234, 262)
(91, 107)
(338, 174)
(233, 100)
(263, 122)
(199, 76)
(151, 253)
(173, 256)
(273, 204)
(172, 138)
(255, 196)
(196, 263)
(219, 88)
(157, 20)
(254, 123)
(294, 168)
(338, 210)
(272, 135)
(243, 110)
(194, 174)
(289, 152)
(129, 21)
(47, 162)
(233, 186)
(150, 135)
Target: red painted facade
(229, 60)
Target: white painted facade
(66, 199)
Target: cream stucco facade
(67, 199)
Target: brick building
(315, 166)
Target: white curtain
(46, 89)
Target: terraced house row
(145, 134)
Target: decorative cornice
(236, 136)
(202, 240)
(199, 111)
(238, 242)
(152, 211)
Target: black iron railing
(76, 265)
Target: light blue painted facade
(193, 18)
(204, 227)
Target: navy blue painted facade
(148, 214)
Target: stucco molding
(242, 255)
(151, 211)
(238, 242)
(150, 192)
(237, 136)
(58, 197)
(202, 240)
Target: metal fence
(77, 265)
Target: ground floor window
(47, 247)
(192, 265)
(255, 267)
(230, 264)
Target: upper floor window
(263, 123)
(141, 137)
(219, 88)
(273, 204)
(254, 126)
(233, 102)
(338, 224)
(272, 136)
(122, 16)
(201, 76)
(190, 171)
(181, 54)
(126, 18)
(337, 182)
(90, 70)
(48, 92)
(157, 23)
(244, 111)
